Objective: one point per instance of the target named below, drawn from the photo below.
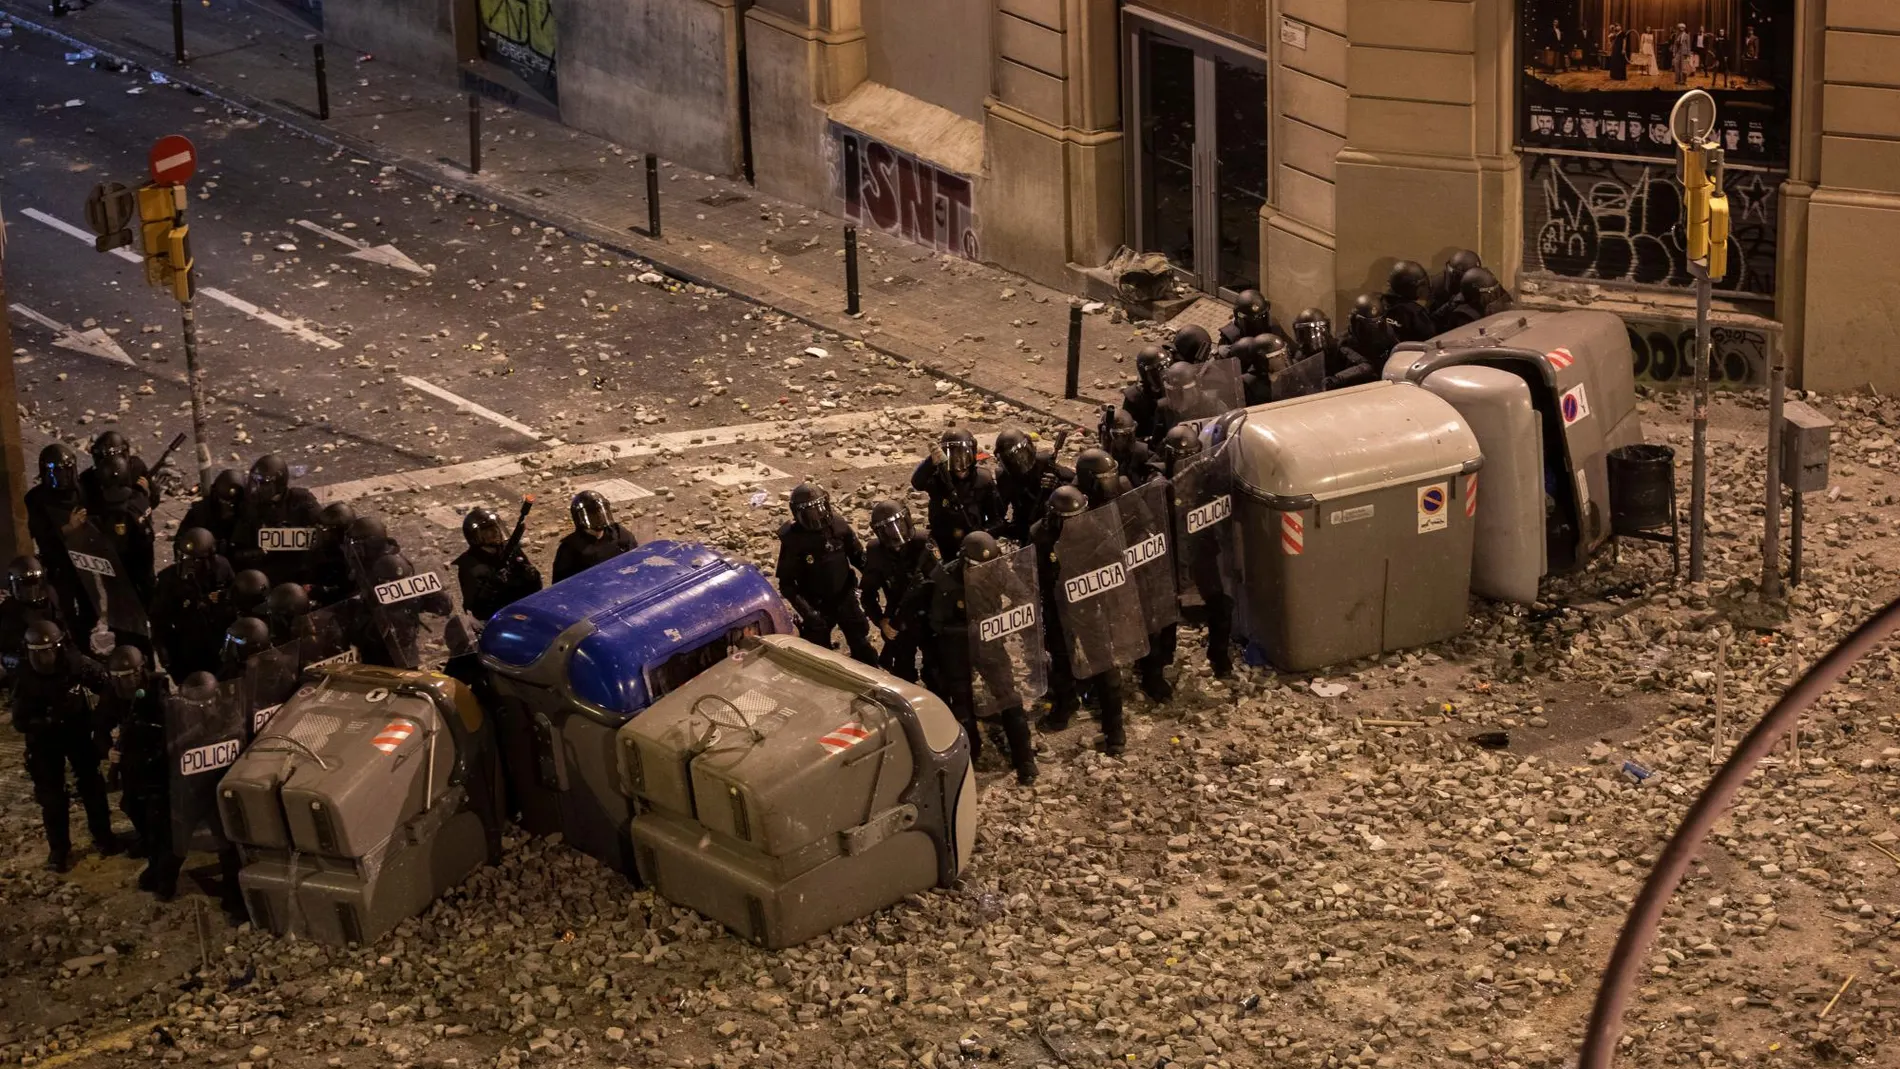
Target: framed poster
(518, 35)
(1601, 75)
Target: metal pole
(178, 31)
(1794, 538)
(1699, 470)
(194, 375)
(323, 83)
(15, 540)
(851, 304)
(1771, 528)
(474, 133)
(1071, 384)
(653, 195)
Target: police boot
(1022, 751)
(58, 860)
(1154, 684)
(230, 895)
(1114, 739)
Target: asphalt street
(389, 338)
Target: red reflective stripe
(1471, 495)
(1292, 533)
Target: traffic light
(158, 210)
(178, 261)
(1718, 237)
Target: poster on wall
(519, 35)
(1601, 75)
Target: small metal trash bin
(1643, 495)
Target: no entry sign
(174, 161)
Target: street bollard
(851, 306)
(1771, 511)
(178, 30)
(59, 8)
(653, 196)
(474, 133)
(323, 83)
(1073, 383)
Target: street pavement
(388, 337)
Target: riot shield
(1216, 387)
(1008, 666)
(269, 680)
(1203, 507)
(1148, 552)
(1304, 377)
(105, 582)
(399, 617)
(323, 636)
(203, 736)
(1102, 626)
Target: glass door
(1199, 170)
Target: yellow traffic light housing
(158, 209)
(1718, 237)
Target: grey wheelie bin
(1355, 518)
(790, 789)
(1579, 370)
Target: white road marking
(742, 473)
(448, 516)
(471, 407)
(928, 417)
(387, 255)
(294, 328)
(618, 491)
(94, 342)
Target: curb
(573, 225)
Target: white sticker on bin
(1575, 404)
(1352, 515)
(1432, 512)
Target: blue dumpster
(573, 663)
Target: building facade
(1297, 146)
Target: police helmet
(978, 547)
(269, 480)
(59, 468)
(482, 528)
(959, 451)
(891, 523)
(591, 512)
(811, 506)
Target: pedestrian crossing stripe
(843, 738)
(1292, 533)
(393, 735)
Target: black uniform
(328, 569)
(47, 513)
(959, 506)
(189, 615)
(1064, 688)
(299, 508)
(818, 573)
(1027, 496)
(15, 617)
(1230, 333)
(1141, 405)
(50, 709)
(1411, 320)
(890, 582)
(124, 516)
(92, 489)
(144, 773)
(489, 586)
(580, 551)
(950, 643)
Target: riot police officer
(950, 630)
(192, 605)
(596, 536)
(218, 509)
(819, 560)
(963, 497)
(1119, 440)
(51, 710)
(1140, 399)
(271, 503)
(1479, 295)
(245, 638)
(1025, 477)
(393, 637)
(1369, 340)
(285, 610)
(1253, 316)
(54, 508)
(1201, 550)
(121, 509)
(1446, 287)
(1065, 504)
(106, 447)
(897, 562)
(1313, 336)
(30, 599)
(1191, 344)
(367, 538)
(1099, 477)
(491, 574)
(250, 590)
(135, 700)
(1259, 357)
(1408, 288)
(329, 573)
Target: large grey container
(1508, 558)
(1355, 533)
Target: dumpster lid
(1351, 441)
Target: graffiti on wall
(519, 35)
(1618, 222)
(897, 193)
(1664, 349)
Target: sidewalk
(976, 324)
